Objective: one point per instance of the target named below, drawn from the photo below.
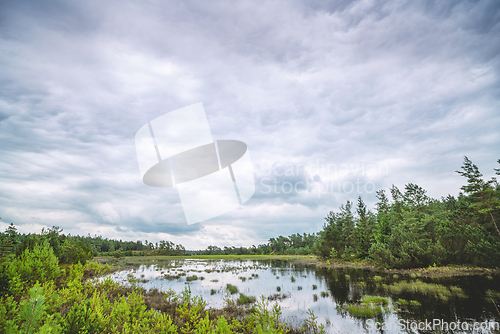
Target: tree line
(295, 244)
(73, 249)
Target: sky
(334, 99)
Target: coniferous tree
(481, 191)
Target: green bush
(36, 265)
(74, 252)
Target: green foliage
(415, 231)
(75, 252)
(311, 324)
(37, 265)
(264, 319)
(31, 310)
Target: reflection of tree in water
(341, 283)
(349, 285)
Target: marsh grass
(363, 311)
(402, 302)
(315, 287)
(375, 300)
(278, 296)
(171, 277)
(369, 307)
(244, 300)
(191, 278)
(429, 289)
(231, 289)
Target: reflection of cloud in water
(259, 278)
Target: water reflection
(298, 288)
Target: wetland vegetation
(413, 258)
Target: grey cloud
(411, 85)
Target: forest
(412, 230)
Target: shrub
(74, 252)
(39, 264)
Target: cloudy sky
(334, 98)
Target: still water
(411, 301)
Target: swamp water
(342, 299)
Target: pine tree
(382, 216)
(486, 201)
